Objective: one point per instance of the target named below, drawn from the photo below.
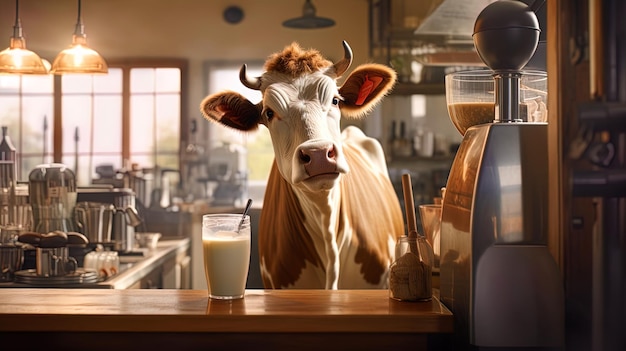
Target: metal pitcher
(124, 222)
(94, 220)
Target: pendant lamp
(308, 20)
(16, 59)
(79, 58)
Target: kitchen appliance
(94, 220)
(124, 222)
(497, 275)
(55, 262)
(124, 214)
(52, 196)
(228, 175)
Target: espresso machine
(497, 275)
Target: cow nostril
(305, 158)
(331, 153)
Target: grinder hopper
(497, 274)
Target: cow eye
(335, 101)
(269, 114)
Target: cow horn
(252, 83)
(342, 65)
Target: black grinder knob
(506, 34)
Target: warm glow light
(16, 59)
(79, 58)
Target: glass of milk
(226, 249)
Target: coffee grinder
(497, 274)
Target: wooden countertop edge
(226, 324)
(190, 311)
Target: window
(26, 109)
(92, 122)
(131, 115)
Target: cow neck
(323, 211)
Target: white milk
(226, 262)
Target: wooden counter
(188, 319)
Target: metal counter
(132, 268)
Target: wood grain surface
(260, 311)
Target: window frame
(126, 65)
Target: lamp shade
(79, 58)
(308, 20)
(16, 59)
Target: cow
(330, 217)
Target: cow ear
(365, 87)
(232, 110)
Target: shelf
(421, 88)
(423, 58)
(436, 158)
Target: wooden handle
(409, 205)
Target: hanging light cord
(17, 28)
(80, 28)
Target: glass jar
(410, 275)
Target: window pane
(107, 134)
(10, 111)
(36, 116)
(76, 119)
(82, 168)
(77, 111)
(109, 83)
(168, 123)
(77, 83)
(28, 162)
(142, 80)
(155, 117)
(141, 124)
(38, 83)
(9, 83)
(168, 80)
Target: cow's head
(302, 107)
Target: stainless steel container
(124, 223)
(52, 196)
(95, 220)
(124, 215)
(55, 262)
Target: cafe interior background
(139, 125)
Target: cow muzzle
(320, 159)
